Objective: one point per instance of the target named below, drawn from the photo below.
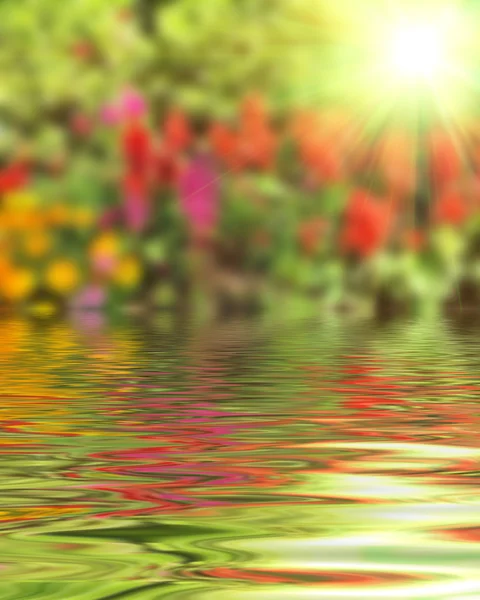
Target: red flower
(322, 139)
(136, 146)
(367, 225)
(224, 142)
(445, 163)
(321, 158)
(166, 167)
(14, 177)
(253, 112)
(257, 149)
(176, 129)
(451, 209)
(135, 184)
(256, 144)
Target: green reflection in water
(257, 460)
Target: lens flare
(418, 51)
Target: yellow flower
(42, 309)
(37, 244)
(62, 276)
(83, 217)
(17, 284)
(106, 244)
(20, 200)
(59, 214)
(5, 265)
(18, 220)
(128, 272)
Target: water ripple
(248, 460)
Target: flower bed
(154, 213)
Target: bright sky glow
(407, 61)
(418, 51)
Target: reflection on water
(241, 461)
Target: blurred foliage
(61, 57)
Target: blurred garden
(164, 153)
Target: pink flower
(92, 296)
(132, 104)
(137, 212)
(199, 191)
(104, 264)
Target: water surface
(241, 460)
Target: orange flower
(37, 244)
(223, 142)
(322, 158)
(257, 149)
(451, 209)
(256, 143)
(17, 284)
(5, 267)
(253, 112)
(397, 162)
(304, 124)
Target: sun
(418, 51)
